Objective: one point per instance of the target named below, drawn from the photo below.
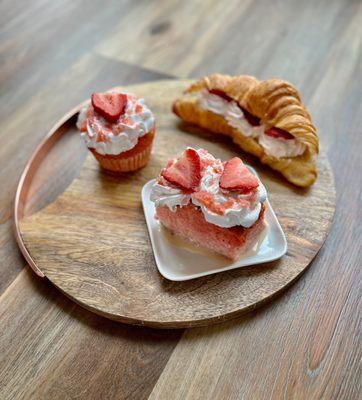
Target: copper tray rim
(25, 180)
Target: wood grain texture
(92, 242)
(307, 343)
(64, 353)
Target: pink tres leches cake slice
(214, 204)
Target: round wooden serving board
(91, 241)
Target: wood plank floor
(304, 345)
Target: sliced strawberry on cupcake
(109, 105)
(185, 171)
(236, 176)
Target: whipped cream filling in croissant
(264, 118)
(235, 116)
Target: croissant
(265, 118)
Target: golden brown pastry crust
(276, 102)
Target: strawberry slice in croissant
(265, 118)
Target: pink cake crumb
(189, 223)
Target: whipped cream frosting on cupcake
(274, 142)
(220, 206)
(121, 135)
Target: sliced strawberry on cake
(216, 205)
(236, 176)
(184, 172)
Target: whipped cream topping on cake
(121, 135)
(163, 194)
(273, 146)
(220, 206)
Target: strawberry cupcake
(214, 204)
(118, 128)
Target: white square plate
(179, 260)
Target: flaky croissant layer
(275, 102)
